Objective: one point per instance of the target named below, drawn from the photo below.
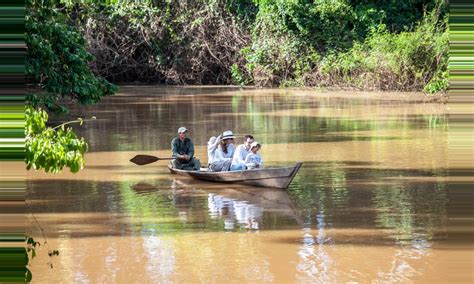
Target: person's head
(182, 132)
(248, 141)
(228, 137)
(255, 146)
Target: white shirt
(253, 160)
(219, 155)
(240, 154)
(211, 150)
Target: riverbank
(380, 46)
(147, 89)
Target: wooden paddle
(146, 159)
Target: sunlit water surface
(370, 203)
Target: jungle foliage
(359, 44)
(57, 61)
(57, 67)
(170, 42)
(379, 45)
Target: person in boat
(182, 149)
(241, 152)
(253, 159)
(212, 145)
(222, 158)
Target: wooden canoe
(280, 177)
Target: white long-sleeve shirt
(253, 161)
(211, 149)
(219, 154)
(240, 154)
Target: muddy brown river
(370, 204)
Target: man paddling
(182, 149)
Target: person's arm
(218, 140)
(248, 161)
(212, 147)
(190, 150)
(218, 155)
(232, 150)
(174, 149)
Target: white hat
(182, 129)
(255, 144)
(227, 135)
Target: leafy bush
(278, 60)
(323, 24)
(52, 149)
(439, 84)
(239, 76)
(57, 60)
(346, 44)
(182, 42)
(404, 61)
(397, 16)
(57, 65)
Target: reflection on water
(131, 123)
(234, 211)
(161, 258)
(369, 205)
(315, 262)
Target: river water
(370, 204)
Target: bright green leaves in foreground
(52, 149)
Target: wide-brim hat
(227, 135)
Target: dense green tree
(57, 60)
(57, 64)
